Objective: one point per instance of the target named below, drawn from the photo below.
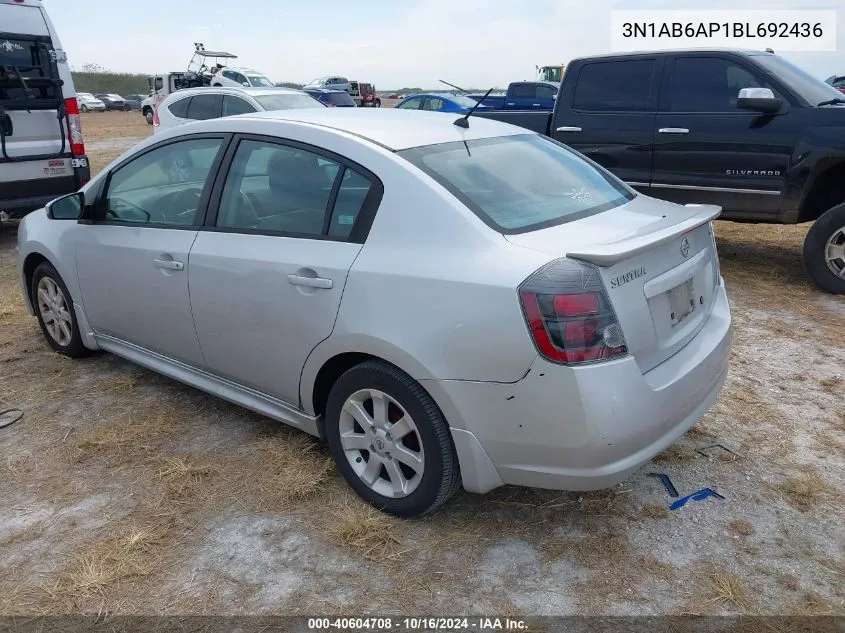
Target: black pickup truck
(748, 131)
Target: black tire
(830, 226)
(74, 347)
(83, 108)
(378, 103)
(441, 475)
(148, 115)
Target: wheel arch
(826, 190)
(30, 263)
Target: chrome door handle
(311, 282)
(568, 128)
(510, 102)
(673, 130)
(169, 264)
(536, 105)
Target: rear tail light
(77, 144)
(156, 120)
(569, 314)
(330, 105)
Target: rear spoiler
(664, 230)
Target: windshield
(552, 73)
(290, 101)
(260, 81)
(520, 183)
(85, 96)
(810, 88)
(114, 96)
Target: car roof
(390, 128)
(738, 51)
(252, 92)
(327, 91)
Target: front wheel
(824, 250)
(390, 440)
(55, 313)
(378, 103)
(148, 115)
(83, 108)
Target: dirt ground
(125, 492)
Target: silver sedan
(445, 304)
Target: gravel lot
(125, 492)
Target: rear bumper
(23, 196)
(585, 428)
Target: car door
(707, 150)
(132, 256)
(268, 271)
(607, 113)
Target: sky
(392, 43)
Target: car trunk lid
(658, 263)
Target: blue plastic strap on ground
(699, 495)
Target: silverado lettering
(621, 280)
(752, 172)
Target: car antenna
(452, 85)
(464, 120)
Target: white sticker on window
(346, 219)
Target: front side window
(433, 103)
(204, 107)
(520, 183)
(546, 92)
(277, 188)
(235, 105)
(162, 186)
(614, 86)
(708, 84)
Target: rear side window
(615, 86)
(520, 183)
(525, 91)
(179, 108)
(203, 107)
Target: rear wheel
(824, 250)
(390, 440)
(55, 313)
(377, 103)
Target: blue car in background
(331, 98)
(439, 102)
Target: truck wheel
(377, 103)
(824, 250)
(148, 115)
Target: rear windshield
(520, 183)
(27, 72)
(339, 98)
(287, 102)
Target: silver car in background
(446, 304)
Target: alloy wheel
(382, 443)
(54, 311)
(834, 253)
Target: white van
(42, 155)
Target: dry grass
(102, 126)
(805, 491)
(653, 511)
(365, 530)
(676, 453)
(741, 527)
(724, 587)
(832, 384)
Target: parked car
(236, 77)
(333, 82)
(199, 104)
(369, 98)
(42, 154)
(746, 130)
(112, 101)
(440, 102)
(133, 102)
(837, 81)
(331, 98)
(546, 325)
(522, 95)
(87, 102)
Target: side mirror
(758, 99)
(245, 83)
(67, 207)
(159, 84)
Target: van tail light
(569, 315)
(77, 143)
(156, 120)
